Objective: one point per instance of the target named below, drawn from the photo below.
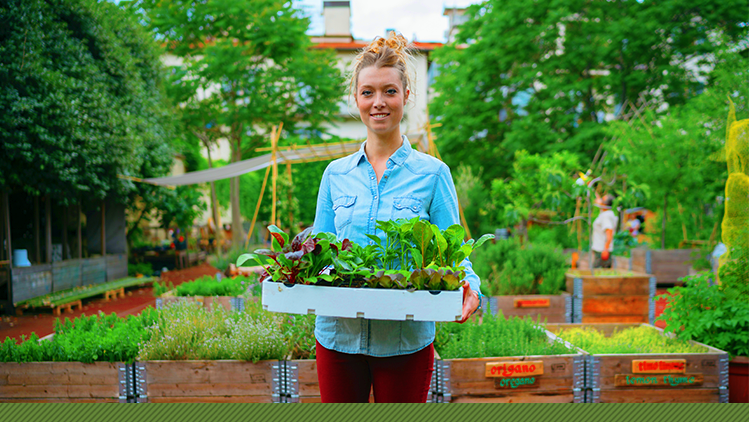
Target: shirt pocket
(343, 207)
(405, 207)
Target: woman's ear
(405, 97)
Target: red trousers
(348, 378)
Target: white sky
(369, 18)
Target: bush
(495, 337)
(631, 340)
(144, 268)
(559, 235)
(209, 286)
(507, 269)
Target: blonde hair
(394, 51)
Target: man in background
(603, 232)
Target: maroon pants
(348, 378)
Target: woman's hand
(470, 302)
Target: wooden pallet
(114, 293)
(68, 307)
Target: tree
(680, 153)
(542, 75)
(80, 90)
(253, 58)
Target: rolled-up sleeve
(444, 212)
(324, 214)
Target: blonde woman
(385, 180)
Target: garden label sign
(659, 366)
(658, 373)
(532, 303)
(514, 374)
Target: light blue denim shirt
(350, 202)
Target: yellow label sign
(514, 369)
(659, 366)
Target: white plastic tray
(349, 302)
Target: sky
(419, 19)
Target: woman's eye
(392, 91)
(365, 93)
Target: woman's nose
(379, 100)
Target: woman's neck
(380, 148)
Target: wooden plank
(658, 380)
(209, 372)
(596, 319)
(639, 285)
(193, 389)
(206, 399)
(524, 397)
(59, 400)
(686, 395)
(307, 377)
(59, 391)
(616, 305)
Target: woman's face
(380, 97)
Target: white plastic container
(351, 302)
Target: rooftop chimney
(337, 18)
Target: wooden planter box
(552, 308)
(626, 297)
(206, 381)
(667, 265)
(68, 382)
(229, 303)
(549, 379)
(626, 378)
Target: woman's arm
(324, 215)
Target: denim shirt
(350, 202)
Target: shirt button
(372, 177)
(375, 196)
(372, 218)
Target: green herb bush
(144, 268)
(187, 331)
(496, 337)
(210, 286)
(506, 268)
(96, 338)
(637, 340)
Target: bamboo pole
(290, 196)
(274, 179)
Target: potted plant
(413, 274)
(230, 293)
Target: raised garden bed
(66, 382)
(667, 265)
(211, 381)
(611, 296)
(552, 308)
(691, 377)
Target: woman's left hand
(470, 302)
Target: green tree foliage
(680, 153)
(80, 90)
(248, 65)
(541, 75)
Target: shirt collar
(399, 156)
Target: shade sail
(295, 155)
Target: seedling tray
(351, 302)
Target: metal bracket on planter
(651, 307)
(292, 382)
(139, 382)
(578, 379)
(593, 380)
(277, 381)
(444, 382)
(434, 384)
(237, 303)
(568, 308)
(648, 263)
(123, 382)
(723, 378)
(577, 300)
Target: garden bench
(68, 299)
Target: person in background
(385, 180)
(603, 232)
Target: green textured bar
(383, 412)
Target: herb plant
(414, 255)
(637, 340)
(496, 337)
(210, 286)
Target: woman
(385, 180)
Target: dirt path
(42, 322)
